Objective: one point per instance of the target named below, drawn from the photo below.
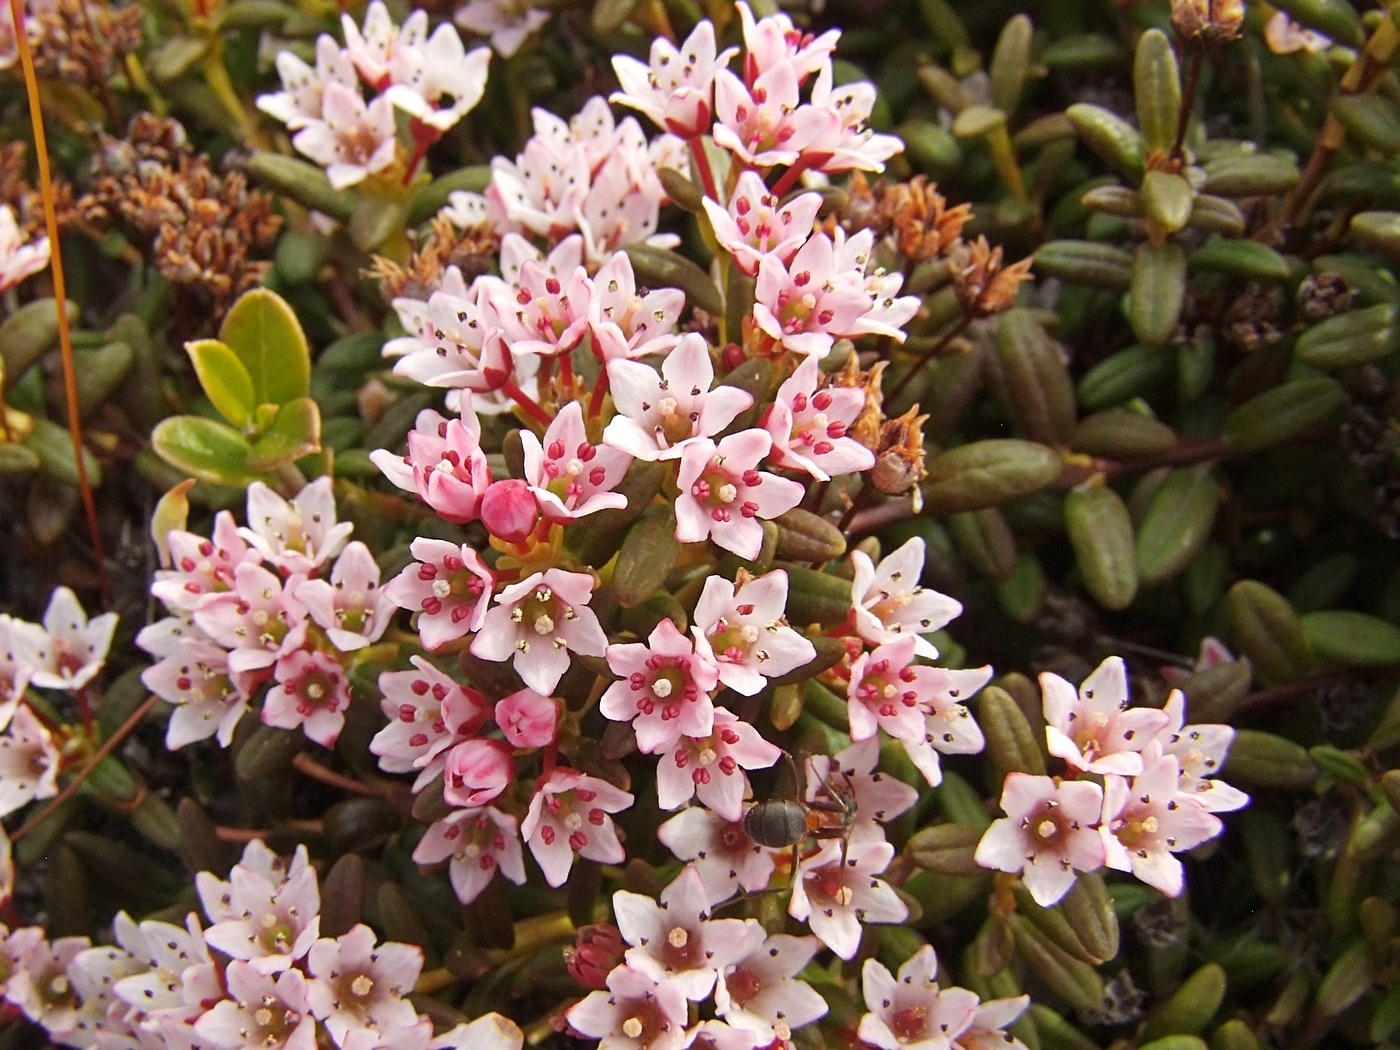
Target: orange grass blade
(60, 290)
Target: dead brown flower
(922, 225)
(471, 251)
(899, 459)
(83, 41)
(206, 232)
(1207, 21)
(866, 426)
(983, 286)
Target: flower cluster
(1158, 795)
(259, 975)
(281, 601)
(433, 79)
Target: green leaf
(1352, 639)
(1157, 86)
(204, 448)
(1157, 292)
(1178, 523)
(53, 444)
(1282, 413)
(264, 333)
(224, 379)
(296, 432)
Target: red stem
(532, 408)
(702, 167)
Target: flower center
(910, 1023)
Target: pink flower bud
(597, 950)
(477, 771)
(528, 719)
(509, 511)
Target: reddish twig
(60, 290)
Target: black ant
(782, 823)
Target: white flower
(75, 648)
(836, 899)
(888, 600)
(351, 140)
(17, 259)
(507, 22)
(440, 82)
(28, 762)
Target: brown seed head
(899, 459)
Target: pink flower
(271, 924)
(509, 510)
(676, 941)
(351, 141)
(351, 608)
(715, 1034)
(28, 762)
(444, 465)
(508, 23)
(1200, 750)
(912, 1012)
(635, 1013)
(742, 628)
(596, 951)
(755, 224)
(477, 772)
(17, 259)
(438, 82)
(538, 622)
(479, 842)
(358, 985)
(259, 621)
(545, 313)
(761, 993)
(808, 426)
(764, 124)
(311, 693)
(989, 1023)
(879, 797)
(721, 850)
(711, 767)
(723, 495)
(455, 341)
(201, 566)
(1285, 36)
(633, 325)
(846, 141)
(488, 1032)
(1147, 820)
(888, 601)
(377, 48)
(676, 87)
(884, 693)
(299, 103)
(569, 814)
(811, 301)
(664, 689)
(209, 699)
(1050, 831)
(1094, 730)
(660, 416)
(73, 648)
(836, 899)
(774, 40)
(450, 584)
(428, 713)
(569, 476)
(528, 719)
(40, 985)
(261, 1012)
(19, 644)
(949, 727)
(296, 536)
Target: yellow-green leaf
(204, 448)
(295, 432)
(264, 333)
(224, 379)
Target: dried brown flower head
(1207, 21)
(899, 458)
(983, 286)
(866, 426)
(205, 231)
(471, 251)
(922, 224)
(84, 41)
